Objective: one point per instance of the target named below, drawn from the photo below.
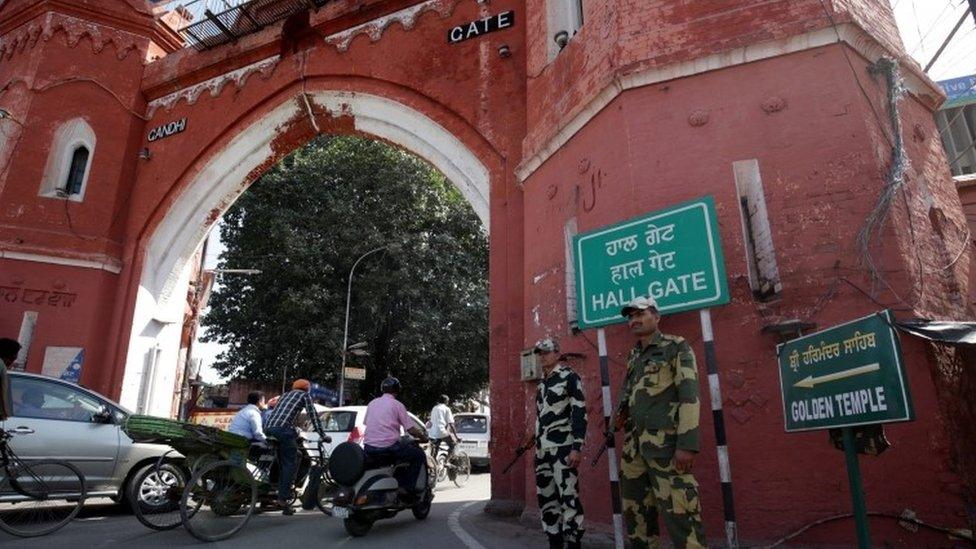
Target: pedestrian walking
(559, 432)
(658, 412)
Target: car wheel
(154, 493)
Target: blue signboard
(324, 394)
(959, 91)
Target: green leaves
(421, 305)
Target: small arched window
(69, 162)
(76, 173)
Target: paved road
(456, 520)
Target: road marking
(809, 382)
(454, 523)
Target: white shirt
(247, 423)
(440, 418)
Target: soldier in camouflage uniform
(658, 412)
(560, 428)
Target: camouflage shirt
(561, 410)
(660, 397)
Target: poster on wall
(63, 363)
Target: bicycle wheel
(40, 497)
(154, 495)
(327, 490)
(218, 501)
(460, 469)
(441, 467)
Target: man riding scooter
(385, 416)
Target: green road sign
(851, 374)
(674, 255)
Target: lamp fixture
(561, 38)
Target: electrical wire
(857, 79)
(895, 179)
(71, 225)
(935, 23)
(73, 79)
(952, 533)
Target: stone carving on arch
(74, 30)
(264, 68)
(407, 18)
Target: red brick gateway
(768, 106)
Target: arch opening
(222, 178)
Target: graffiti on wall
(11, 294)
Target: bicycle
(454, 465)
(39, 497)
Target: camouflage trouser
(649, 487)
(558, 489)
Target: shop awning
(942, 331)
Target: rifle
(518, 454)
(608, 441)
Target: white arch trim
(160, 301)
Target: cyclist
(385, 416)
(281, 426)
(442, 427)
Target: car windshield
(472, 424)
(338, 420)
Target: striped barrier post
(721, 444)
(618, 522)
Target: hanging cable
(952, 533)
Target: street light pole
(345, 334)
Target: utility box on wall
(530, 366)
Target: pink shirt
(384, 417)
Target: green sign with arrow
(848, 375)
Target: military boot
(556, 541)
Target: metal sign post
(718, 419)
(842, 377)
(675, 256)
(857, 490)
(618, 522)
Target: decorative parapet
(215, 85)
(26, 36)
(407, 18)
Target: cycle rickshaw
(228, 478)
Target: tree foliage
(421, 305)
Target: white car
(475, 432)
(347, 423)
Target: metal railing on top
(217, 22)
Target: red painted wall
(70, 305)
(821, 159)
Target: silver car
(74, 424)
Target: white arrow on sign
(809, 382)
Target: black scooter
(368, 490)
